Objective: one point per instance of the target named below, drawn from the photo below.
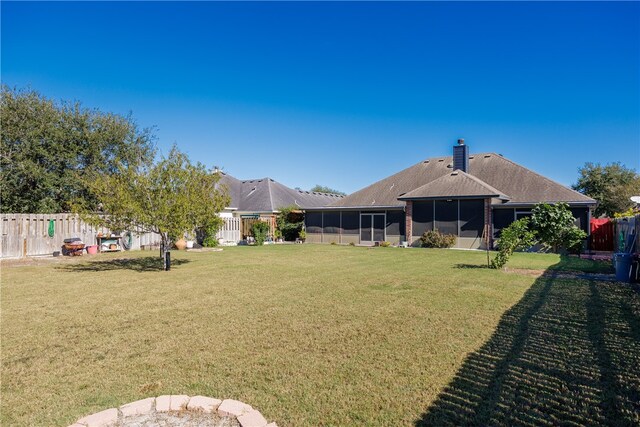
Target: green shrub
(289, 222)
(436, 239)
(554, 225)
(260, 229)
(385, 244)
(516, 236)
(334, 243)
(573, 239)
(210, 242)
(208, 234)
(302, 235)
(351, 244)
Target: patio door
(372, 227)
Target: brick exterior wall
(488, 222)
(409, 221)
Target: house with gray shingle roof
(464, 194)
(262, 199)
(267, 196)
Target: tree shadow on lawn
(567, 354)
(141, 265)
(472, 266)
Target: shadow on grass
(567, 354)
(471, 266)
(141, 265)
(574, 263)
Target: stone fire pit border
(242, 412)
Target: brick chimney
(461, 156)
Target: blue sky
(343, 94)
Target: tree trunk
(164, 252)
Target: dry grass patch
(308, 334)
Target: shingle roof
(454, 184)
(267, 195)
(519, 183)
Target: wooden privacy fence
(602, 234)
(247, 223)
(626, 234)
(24, 235)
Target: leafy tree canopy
(324, 189)
(516, 237)
(555, 227)
(551, 225)
(48, 146)
(611, 185)
(171, 197)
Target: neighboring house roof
(506, 177)
(454, 184)
(267, 195)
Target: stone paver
(100, 419)
(235, 408)
(139, 407)
(202, 403)
(178, 402)
(163, 403)
(178, 410)
(252, 418)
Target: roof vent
(461, 156)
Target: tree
(555, 227)
(516, 237)
(48, 146)
(611, 185)
(324, 189)
(171, 197)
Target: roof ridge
(453, 174)
(322, 193)
(270, 193)
(479, 181)
(451, 156)
(544, 177)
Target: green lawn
(321, 335)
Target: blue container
(622, 262)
